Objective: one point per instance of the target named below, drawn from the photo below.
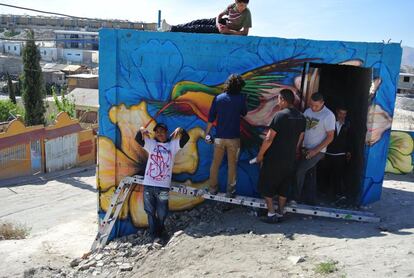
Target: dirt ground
(62, 214)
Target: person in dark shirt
(278, 153)
(236, 19)
(226, 110)
(337, 155)
(158, 173)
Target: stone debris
(296, 259)
(125, 267)
(119, 256)
(75, 262)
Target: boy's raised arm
(141, 134)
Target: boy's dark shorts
(275, 179)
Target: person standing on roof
(236, 19)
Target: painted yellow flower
(399, 160)
(115, 164)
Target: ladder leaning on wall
(126, 185)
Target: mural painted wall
(400, 152)
(142, 73)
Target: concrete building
(48, 51)
(77, 39)
(48, 54)
(53, 77)
(406, 83)
(53, 74)
(73, 55)
(89, 81)
(13, 48)
(11, 64)
(46, 22)
(74, 69)
(86, 104)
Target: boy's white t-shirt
(317, 125)
(160, 162)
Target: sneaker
(270, 219)
(165, 237)
(280, 217)
(293, 203)
(165, 27)
(231, 191)
(212, 191)
(157, 240)
(231, 194)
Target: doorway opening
(338, 176)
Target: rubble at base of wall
(123, 255)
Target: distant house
(73, 55)
(406, 83)
(48, 54)
(11, 64)
(48, 51)
(77, 39)
(54, 66)
(13, 48)
(86, 104)
(78, 56)
(51, 76)
(74, 69)
(89, 81)
(79, 47)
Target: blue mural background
(146, 67)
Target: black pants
(333, 175)
(197, 26)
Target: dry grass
(9, 230)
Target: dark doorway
(343, 86)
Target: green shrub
(7, 107)
(326, 267)
(10, 34)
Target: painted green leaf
(401, 141)
(399, 161)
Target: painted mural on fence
(400, 152)
(142, 73)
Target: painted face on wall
(316, 106)
(161, 134)
(240, 6)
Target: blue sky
(349, 20)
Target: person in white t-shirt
(319, 133)
(158, 173)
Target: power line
(50, 39)
(52, 13)
(70, 16)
